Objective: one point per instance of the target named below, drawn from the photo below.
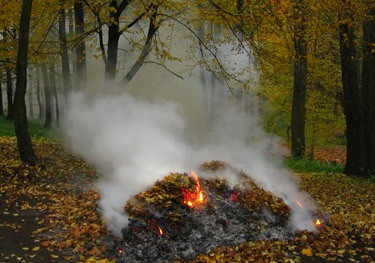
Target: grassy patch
(36, 129)
(308, 165)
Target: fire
(194, 198)
(299, 204)
(318, 222)
(160, 230)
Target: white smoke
(134, 140)
(133, 143)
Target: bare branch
(165, 67)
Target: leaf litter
(60, 190)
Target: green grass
(308, 165)
(36, 129)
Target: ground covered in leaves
(49, 213)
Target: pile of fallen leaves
(346, 235)
(59, 191)
(164, 194)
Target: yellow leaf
(307, 252)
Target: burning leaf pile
(183, 216)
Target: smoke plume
(135, 142)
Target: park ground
(50, 213)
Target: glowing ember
(160, 230)
(299, 204)
(318, 222)
(193, 198)
(119, 251)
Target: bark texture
(300, 78)
(368, 95)
(24, 143)
(351, 99)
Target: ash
(221, 222)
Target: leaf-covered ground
(49, 213)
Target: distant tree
(39, 93)
(47, 97)
(52, 79)
(10, 113)
(67, 81)
(24, 143)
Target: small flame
(299, 203)
(318, 222)
(196, 197)
(119, 251)
(160, 230)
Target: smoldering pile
(164, 226)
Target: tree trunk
(47, 96)
(81, 48)
(351, 99)
(31, 106)
(67, 81)
(153, 27)
(39, 95)
(9, 93)
(24, 143)
(202, 77)
(72, 55)
(300, 77)
(54, 90)
(368, 95)
(1, 99)
(111, 63)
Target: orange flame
(160, 230)
(318, 222)
(196, 197)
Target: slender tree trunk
(54, 90)
(67, 81)
(300, 77)
(24, 143)
(72, 55)
(81, 47)
(202, 77)
(153, 27)
(9, 93)
(214, 99)
(351, 99)
(38, 93)
(368, 96)
(1, 99)
(47, 96)
(111, 63)
(31, 106)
